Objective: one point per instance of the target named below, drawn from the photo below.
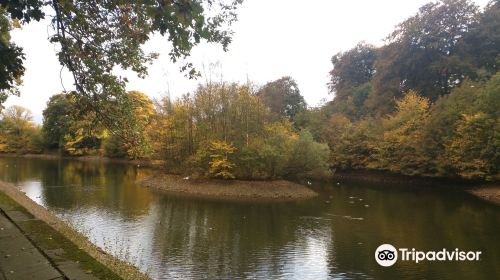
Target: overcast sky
(273, 38)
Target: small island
(273, 190)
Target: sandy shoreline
(275, 190)
(121, 268)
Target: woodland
(425, 103)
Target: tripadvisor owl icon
(386, 255)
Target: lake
(332, 236)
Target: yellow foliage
(467, 151)
(18, 132)
(401, 148)
(219, 165)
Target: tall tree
(57, 118)
(283, 97)
(401, 148)
(350, 80)
(421, 54)
(352, 68)
(134, 140)
(480, 47)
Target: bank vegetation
(425, 103)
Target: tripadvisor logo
(387, 255)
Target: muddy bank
(487, 192)
(121, 268)
(274, 190)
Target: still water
(333, 236)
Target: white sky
(273, 38)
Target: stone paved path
(19, 258)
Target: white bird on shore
(309, 183)
(186, 178)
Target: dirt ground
(490, 193)
(229, 189)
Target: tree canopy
(18, 132)
(352, 68)
(283, 97)
(418, 104)
(97, 37)
(11, 60)
(432, 52)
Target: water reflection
(333, 236)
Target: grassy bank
(50, 233)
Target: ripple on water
(172, 237)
